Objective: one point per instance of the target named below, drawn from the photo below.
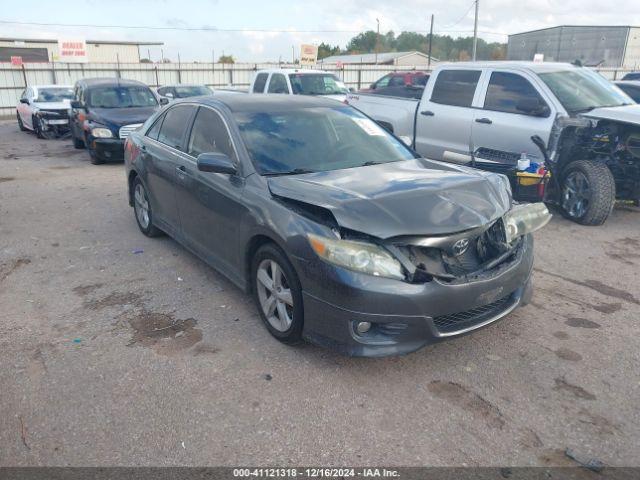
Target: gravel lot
(84, 382)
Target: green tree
(325, 50)
(226, 59)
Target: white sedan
(45, 109)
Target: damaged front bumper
(407, 316)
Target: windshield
(316, 139)
(121, 97)
(56, 94)
(316, 84)
(581, 90)
(193, 91)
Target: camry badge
(460, 247)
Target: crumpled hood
(414, 197)
(626, 114)
(117, 117)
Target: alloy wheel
(141, 205)
(576, 194)
(274, 294)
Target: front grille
(463, 320)
(126, 130)
(54, 114)
(505, 158)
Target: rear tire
(20, 124)
(277, 294)
(142, 210)
(588, 192)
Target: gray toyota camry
(343, 235)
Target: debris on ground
(268, 377)
(23, 433)
(137, 251)
(592, 464)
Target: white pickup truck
(299, 82)
(485, 114)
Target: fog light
(363, 327)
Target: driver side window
(383, 82)
(209, 134)
(278, 84)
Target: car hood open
(413, 197)
(626, 114)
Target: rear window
(174, 125)
(455, 87)
(261, 80)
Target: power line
(462, 17)
(215, 29)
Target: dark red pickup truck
(399, 84)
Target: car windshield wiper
(295, 171)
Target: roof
(571, 26)
(536, 67)
(101, 42)
(110, 81)
(371, 57)
(262, 102)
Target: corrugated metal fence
(13, 79)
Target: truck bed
(396, 114)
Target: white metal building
(414, 58)
(98, 51)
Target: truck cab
(287, 81)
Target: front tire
(277, 294)
(95, 160)
(20, 124)
(77, 142)
(142, 210)
(588, 192)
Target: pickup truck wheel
(277, 294)
(588, 192)
(20, 124)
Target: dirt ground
(117, 349)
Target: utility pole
(377, 39)
(430, 42)
(475, 32)
(293, 54)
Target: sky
(268, 30)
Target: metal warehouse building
(38, 50)
(608, 46)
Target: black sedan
(343, 235)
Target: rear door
(163, 148)
(260, 82)
(444, 118)
(210, 204)
(502, 130)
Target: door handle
(484, 120)
(181, 171)
(427, 113)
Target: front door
(210, 204)
(503, 127)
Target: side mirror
(24, 100)
(216, 163)
(372, 86)
(168, 95)
(533, 106)
(76, 104)
(164, 101)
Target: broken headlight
(359, 256)
(524, 219)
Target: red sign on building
(16, 61)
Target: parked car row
(583, 128)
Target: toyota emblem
(460, 246)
